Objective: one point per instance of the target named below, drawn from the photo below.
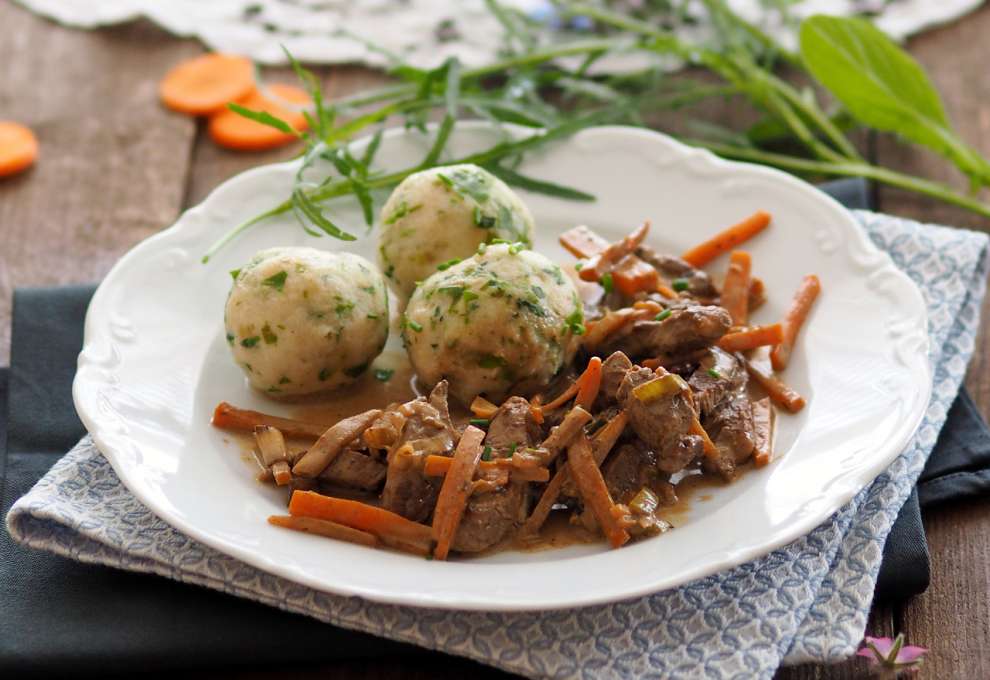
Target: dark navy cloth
(58, 616)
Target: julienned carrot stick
(726, 240)
(711, 451)
(18, 148)
(205, 84)
(589, 383)
(582, 242)
(562, 398)
(324, 527)
(232, 130)
(482, 408)
(604, 261)
(763, 432)
(332, 442)
(751, 338)
(591, 485)
(631, 274)
(228, 417)
(735, 290)
(779, 392)
(456, 490)
(805, 296)
(392, 529)
(601, 444)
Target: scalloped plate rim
(838, 497)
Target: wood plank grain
(952, 618)
(112, 163)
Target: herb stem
(865, 170)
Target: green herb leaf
(607, 282)
(384, 374)
(264, 118)
(883, 86)
(234, 273)
(539, 186)
(314, 214)
(276, 281)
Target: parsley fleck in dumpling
(301, 320)
(443, 214)
(504, 321)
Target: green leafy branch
(540, 86)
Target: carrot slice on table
(726, 240)
(797, 313)
(735, 290)
(234, 131)
(456, 490)
(752, 338)
(392, 529)
(18, 148)
(206, 83)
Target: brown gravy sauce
(691, 487)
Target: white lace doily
(423, 32)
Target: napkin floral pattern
(807, 601)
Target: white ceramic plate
(155, 363)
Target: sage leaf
(883, 86)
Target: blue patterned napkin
(807, 601)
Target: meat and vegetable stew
(579, 391)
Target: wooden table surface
(116, 167)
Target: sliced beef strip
(614, 369)
(718, 374)
(355, 469)
(662, 424)
(425, 431)
(730, 426)
(512, 427)
(490, 517)
(628, 470)
(686, 329)
(699, 284)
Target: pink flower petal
(910, 654)
(868, 653)
(883, 645)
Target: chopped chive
(444, 266)
(607, 283)
(234, 273)
(578, 266)
(512, 449)
(383, 374)
(480, 422)
(276, 281)
(487, 453)
(415, 325)
(713, 373)
(664, 314)
(250, 342)
(679, 285)
(516, 248)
